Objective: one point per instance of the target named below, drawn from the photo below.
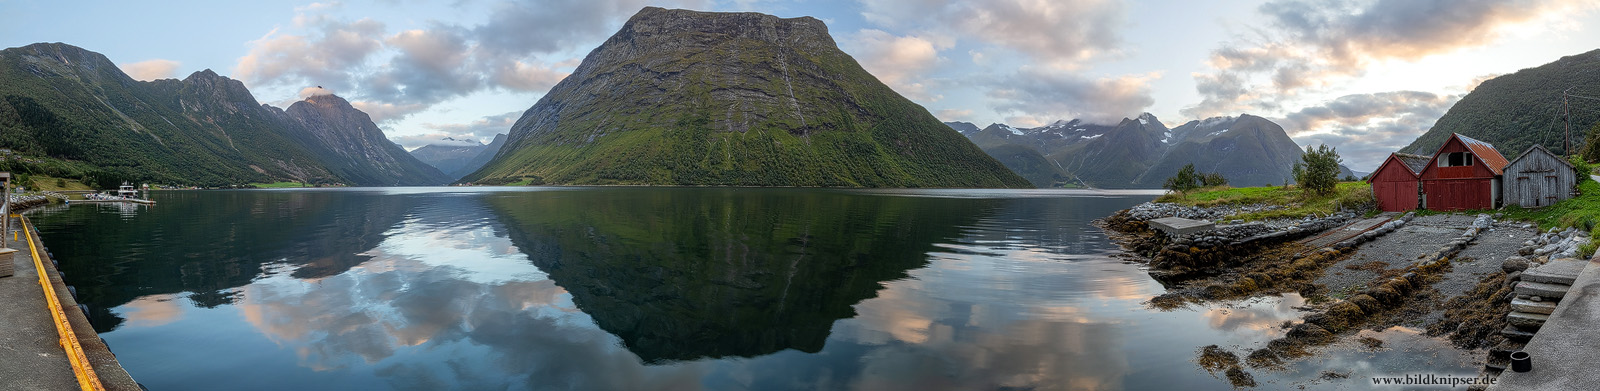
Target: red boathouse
(1463, 174)
(1396, 184)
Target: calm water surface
(636, 288)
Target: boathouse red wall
(1395, 186)
(1463, 187)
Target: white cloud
(1311, 45)
(314, 91)
(1039, 95)
(1367, 127)
(388, 112)
(1061, 33)
(898, 61)
(148, 70)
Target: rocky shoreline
(1437, 283)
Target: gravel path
(1401, 248)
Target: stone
(1516, 334)
(1514, 264)
(1533, 307)
(1526, 321)
(1561, 271)
(1543, 290)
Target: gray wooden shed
(1538, 178)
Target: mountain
(1517, 110)
(1142, 152)
(347, 140)
(483, 157)
(681, 97)
(451, 156)
(68, 103)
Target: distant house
(1538, 178)
(1396, 184)
(1463, 174)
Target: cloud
(330, 54)
(1062, 33)
(1367, 127)
(386, 112)
(526, 77)
(1312, 44)
(482, 130)
(898, 61)
(1043, 95)
(953, 114)
(396, 74)
(148, 70)
(314, 91)
(432, 65)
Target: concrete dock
(1565, 349)
(30, 345)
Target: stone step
(1533, 307)
(1515, 334)
(1555, 272)
(1546, 291)
(1526, 321)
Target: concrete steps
(1538, 292)
(1542, 290)
(1533, 307)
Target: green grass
(1347, 195)
(1581, 212)
(278, 185)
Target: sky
(1366, 77)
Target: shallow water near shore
(659, 288)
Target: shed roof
(1546, 151)
(1485, 152)
(1414, 162)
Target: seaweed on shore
(1474, 320)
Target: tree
(1591, 145)
(1318, 171)
(1184, 181)
(1213, 179)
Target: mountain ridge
(69, 103)
(680, 97)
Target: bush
(1184, 181)
(1318, 171)
(1188, 179)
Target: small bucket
(1521, 361)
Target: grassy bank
(1298, 203)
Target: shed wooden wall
(1538, 179)
(1457, 188)
(1395, 187)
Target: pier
(1563, 351)
(48, 342)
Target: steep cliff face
(702, 98)
(354, 147)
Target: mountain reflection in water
(633, 288)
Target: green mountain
(1517, 110)
(682, 97)
(68, 103)
(1141, 152)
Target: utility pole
(1566, 115)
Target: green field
(1347, 196)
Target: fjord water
(649, 288)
